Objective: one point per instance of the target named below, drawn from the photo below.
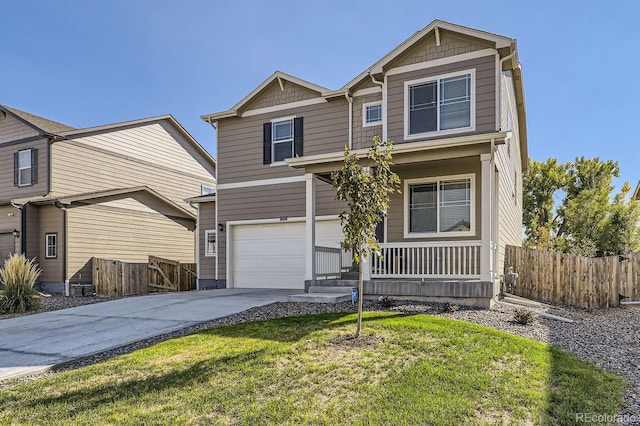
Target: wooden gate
(169, 275)
(115, 278)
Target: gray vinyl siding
(7, 190)
(144, 155)
(207, 221)
(397, 207)
(33, 231)
(128, 235)
(485, 110)
(51, 221)
(240, 140)
(12, 129)
(509, 167)
(362, 136)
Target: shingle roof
(47, 126)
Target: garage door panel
(273, 255)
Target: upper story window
(439, 205)
(25, 169)
(372, 114)
(439, 104)
(282, 139)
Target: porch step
(330, 289)
(320, 297)
(350, 275)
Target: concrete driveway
(34, 343)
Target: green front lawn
(405, 369)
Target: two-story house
(116, 191)
(450, 98)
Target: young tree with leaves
(365, 184)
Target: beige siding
(104, 231)
(240, 140)
(51, 222)
(451, 44)
(207, 221)
(102, 162)
(395, 219)
(510, 177)
(362, 136)
(7, 190)
(273, 95)
(485, 109)
(12, 129)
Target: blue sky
(86, 63)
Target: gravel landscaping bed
(609, 338)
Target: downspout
(384, 104)
(63, 209)
(350, 101)
(215, 128)
(494, 213)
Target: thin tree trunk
(360, 291)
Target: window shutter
(34, 166)
(297, 137)
(266, 143)
(15, 169)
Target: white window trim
(438, 234)
(364, 114)
(208, 232)
(293, 136)
(202, 187)
(437, 78)
(20, 169)
(47, 245)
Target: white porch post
(487, 212)
(310, 252)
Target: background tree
(588, 221)
(366, 189)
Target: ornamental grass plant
(17, 278)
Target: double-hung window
(439, 104)
(439, 205)
(25, 167)
(372, 114)
(210, 242)
(282, 139)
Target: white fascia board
(282, 107)
(401, 148)
(262, 182)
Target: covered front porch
(440, 237)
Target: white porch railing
(456, 260)
(328, 262)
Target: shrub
(385, 301)
(524, 316)
(18, 276)
(450, 308)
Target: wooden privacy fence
(116, 278)
(589, 282)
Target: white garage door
(273, 255)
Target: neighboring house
(450, 98)
(116, 191)
(636, 193)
